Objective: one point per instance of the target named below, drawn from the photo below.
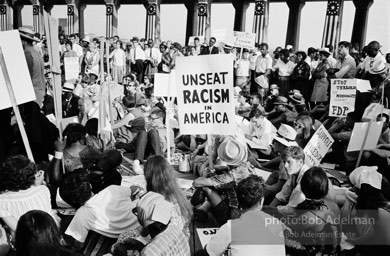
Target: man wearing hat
(154, 214)
(374, 65)
(34, 63)
(137, 57)
(70, 101)
(233, 156)
(282, 114)
(271, 99)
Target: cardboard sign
(15, 60)
(219, 34)
(374, 110)
(359, 132)
(342, 97)
(71, 68)
(191, 40)
(244, 39)
(317, 147)
(205, 97)
(205, 234)
(165, 84)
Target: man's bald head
(373, 48)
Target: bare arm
(124, 121)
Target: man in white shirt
(374, 65)
(284, 68)
(253, 58)
(346, 65)
(263, 61)
(153, 57)
(76, 47)
(332, 61)
(137, 56)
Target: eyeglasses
(298, 125)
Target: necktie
(135, 53)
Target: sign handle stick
(167, 124)
(15, 106)
(102, 116)
(211, 152)
(108, 84)
(363, 144)
(383, 98)
(242, 49)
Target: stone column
(360, 21)
(294, 22)
(261, 21)
(332, 26)
(192, 15)
(17, 15)
(112, 7)
(204, 18)
(38, 25)
(81, 19)
(5, 16)
(152, 30)
(240, 7)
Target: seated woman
(22, 190)
(316, 226)
(304, 127)
(370, 222)
(38, 234)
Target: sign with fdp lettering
(244, 39)
(342, 97)
(204, 86)
(317, 147)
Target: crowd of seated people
(277, 122)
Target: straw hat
(86, 39)
(232, 152)
(286, 135)
(273, 86)
(27, 34)
(228, 46)
(68, 87)
(297, 97)
(324, 50)
(280, 100)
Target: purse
(184, 163)
(166, 68)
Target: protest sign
(192, 38)
(374, 110)
(204, 86)
(19, 75)
(359, 133)
(71, 68)
(342, 97)
(244, 39)
(317, 147)
(219, 34)
(165, 84)
(205, 234)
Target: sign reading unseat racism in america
(204, 87)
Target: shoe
(198, 197)
(137, 168)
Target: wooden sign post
(15, 106)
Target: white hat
(86, 39)
(228, 46)
(288, 47)
(237, 91)
(366, 175)
(152, 207)
(286, 135)
(232, 152)
(324, 49)
(68, 87)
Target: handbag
(262, 81)
(166, 68)
(184, 163)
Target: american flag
(332, 23)
(70, 19)
(3, 17)
(259, 21)
(36, 18)
(202, 19)
(109, 13)
(151, 20)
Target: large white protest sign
(342, 97)
(72, 69)
(165, 84)
(204, 87)
(374, 110)
(244, 39)
(317, 147)
(359, 132)
(19, 75)
(205, 234)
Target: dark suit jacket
(206, 50)
(72, 109)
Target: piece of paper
(318, 146)
(165, 84)
(342, 97)
(205, 234)
(359, 132)
(184, 183)
(138, 180)
(205, 95)
(255, 144)
(363, 85)
(16, 64)
(72, 68)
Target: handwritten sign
(12, 49)
(317, 147)
(205, 234)
(342, 97)
(165, 84)
(358, 133)
(71, 68)
(204, 86)
(244, 39)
